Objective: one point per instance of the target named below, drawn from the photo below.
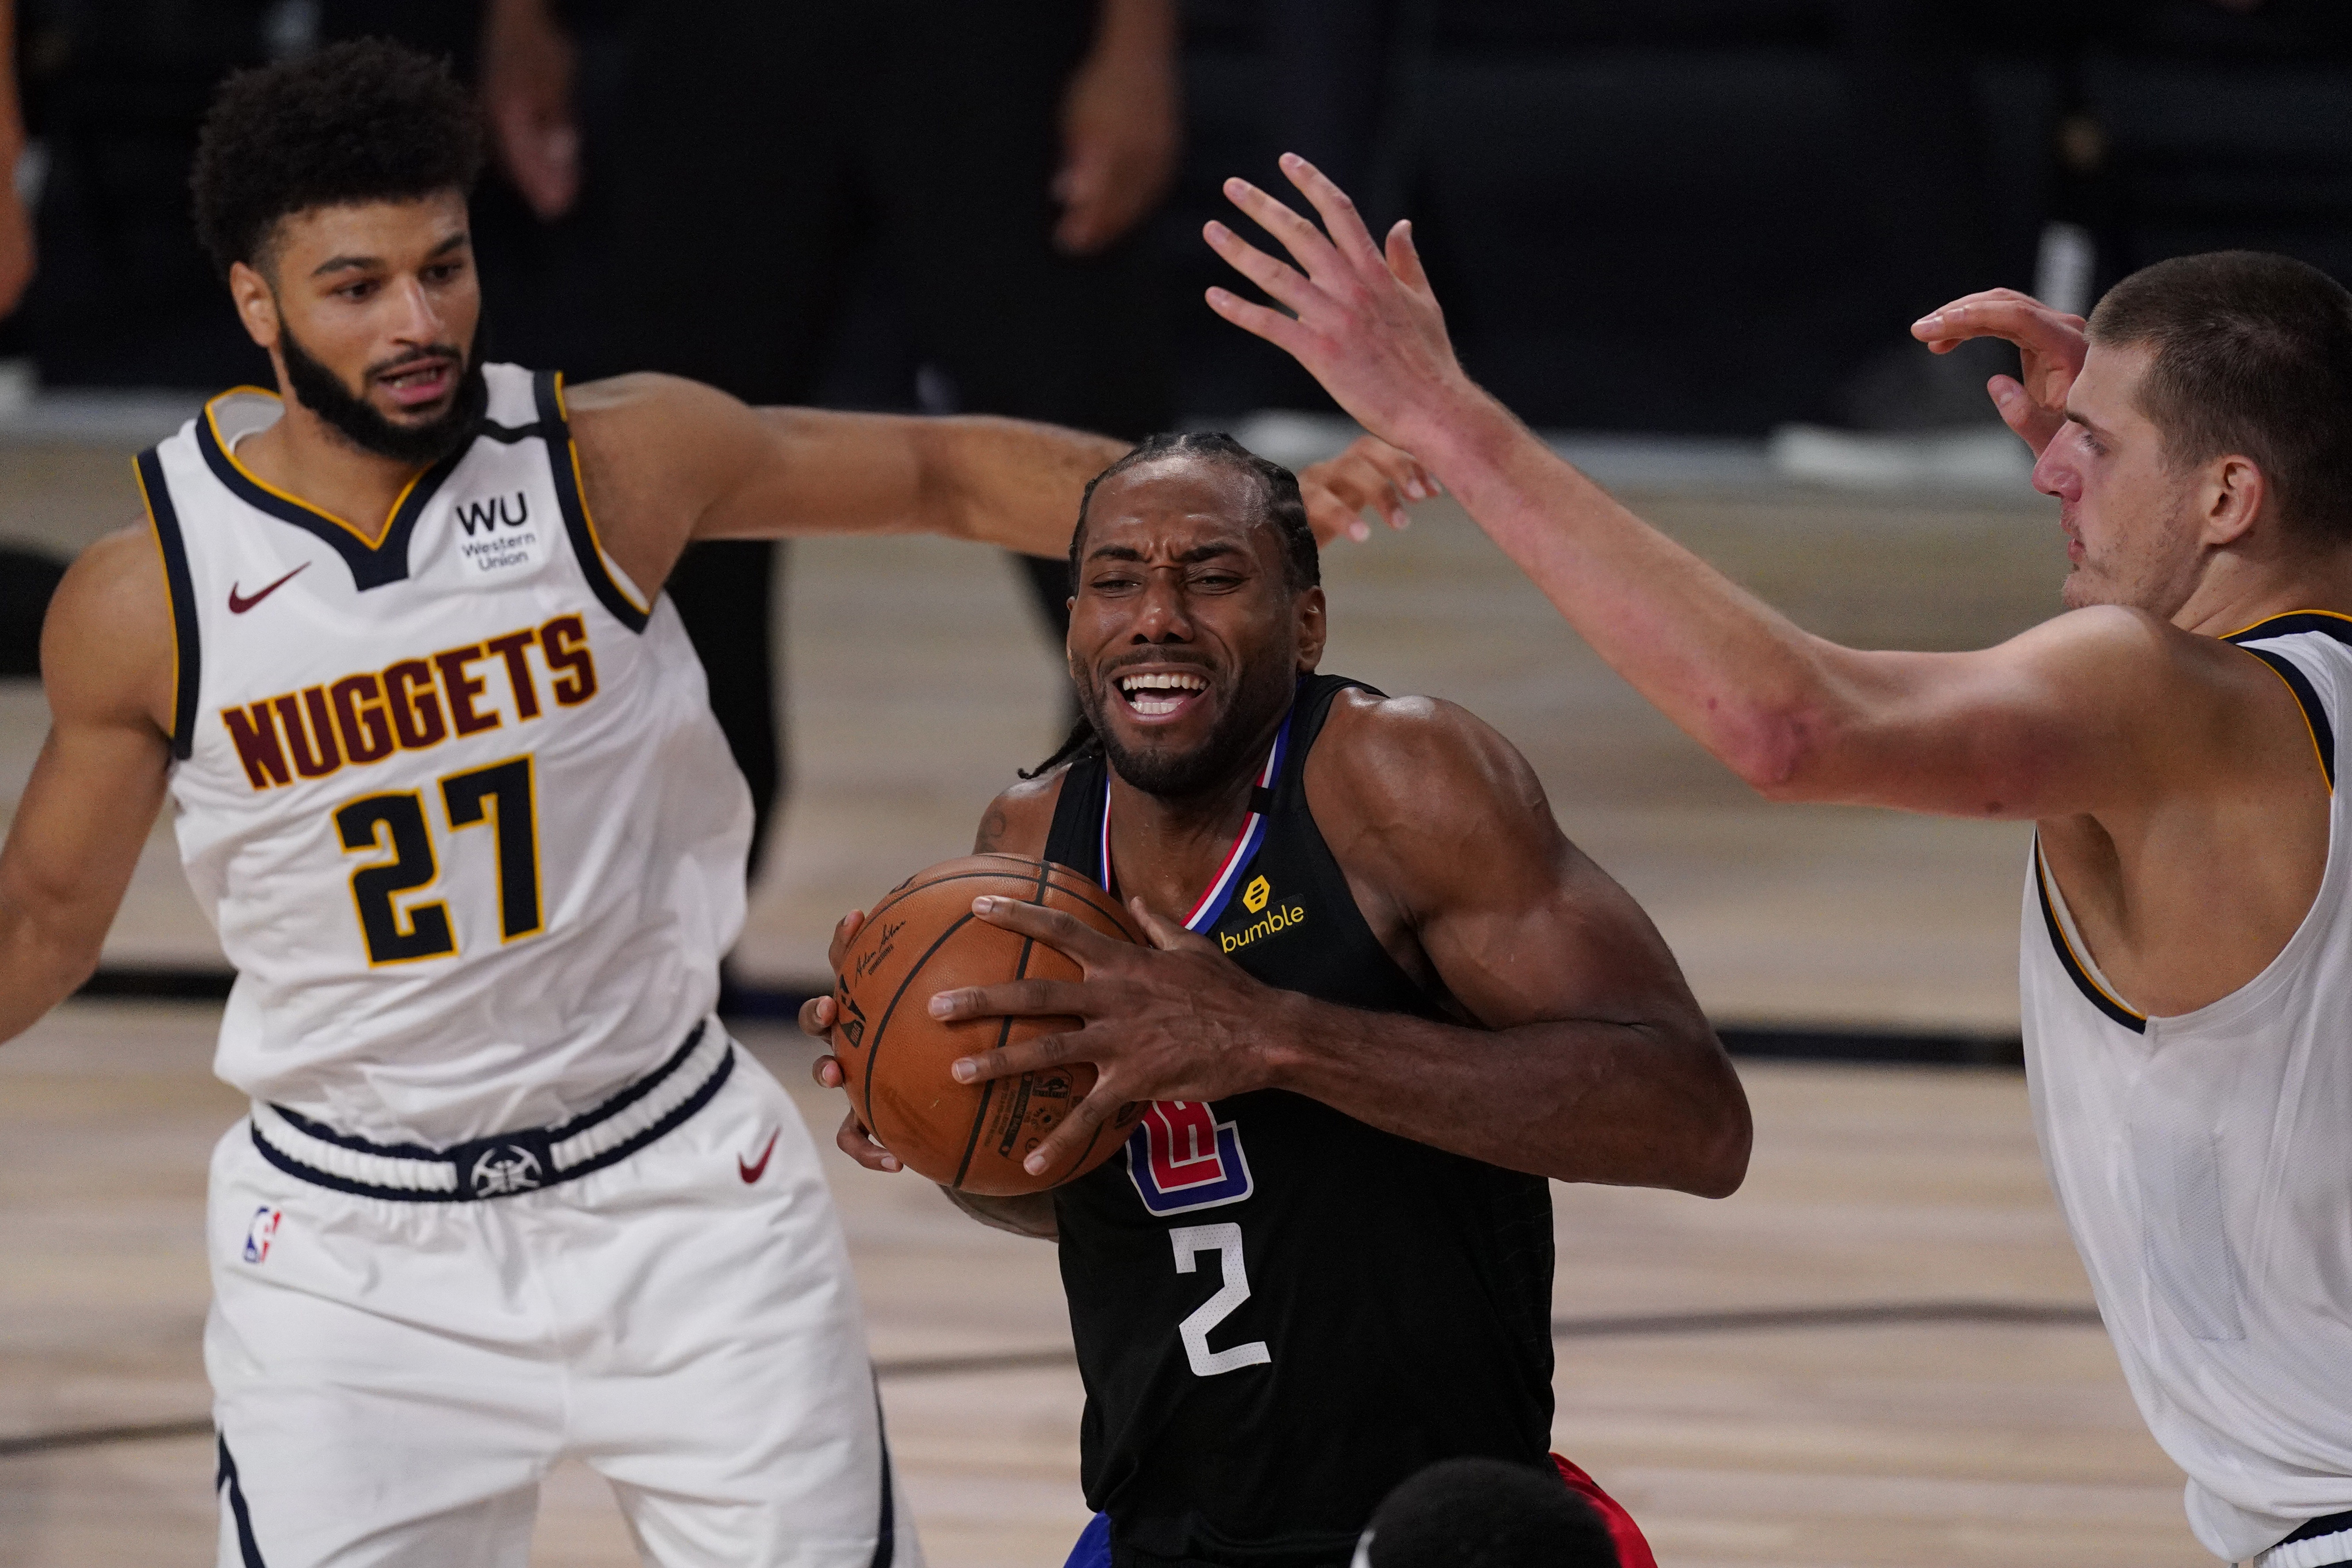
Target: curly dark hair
(358, 121)
(1280, 507)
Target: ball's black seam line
(874, 1052)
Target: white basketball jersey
(2204, 1163)
(454, 801)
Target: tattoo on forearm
(991, 832)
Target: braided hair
(1280, 507)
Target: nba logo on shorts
(258, 1232)
(1182, 1158)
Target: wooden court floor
(1879, 1352)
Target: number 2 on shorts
(500, 794)
(1225, 1240)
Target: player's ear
(257, 303)
(2232, 489)
(1307, 608)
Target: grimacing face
(370, 311)
(2133, 534)
(1185, 643)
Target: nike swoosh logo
(238, 603)
(753, 1172)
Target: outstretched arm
(1587, 1059)
(2029, 729)
(106, 654)
(666, 461)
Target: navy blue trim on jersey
(2315, 713)
(2093, 992)
(2327, 624)
(2334, 1524)
(187, 648)
(537, 1143)
(225, 1480)
(563, 467)
(372, 565)
(886, 1530)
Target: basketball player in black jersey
(1385, 999)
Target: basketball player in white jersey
(447, 784)
(2188, 917)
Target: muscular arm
(1590, 1060)
(1593, 1062)
(665, 461)
(2031, 728)
(106, 653)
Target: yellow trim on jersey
(162, 565)
(2284, 614)
(259, 483)
(2308, 727)
(580, 488)
(2058, 924)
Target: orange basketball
(923, 939)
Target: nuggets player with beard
(446, 782)
(1385, 1000)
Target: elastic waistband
(506, 1163)
(2319, 1543)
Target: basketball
(923, 939)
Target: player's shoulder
(1021, 818)
(1413, 761)
(2134, 658)
(644, 415)
(116, 575)
(107, 641)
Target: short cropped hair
(1486, 1513)
(2249, 353)
(360, 122)
(1280, 506)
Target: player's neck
(310, 460)
(1167, 847)
(2235, 592)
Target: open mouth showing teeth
(1157, 696)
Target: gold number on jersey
(501, 795)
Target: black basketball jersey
(1281, 1312)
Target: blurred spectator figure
(997, 160)
(1921, 139)
(1489, 1513)
(15, 225)
(115, 90)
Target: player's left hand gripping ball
(1174, 1021)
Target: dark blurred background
(1689, 215)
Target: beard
(1230, 749)
(323, 392)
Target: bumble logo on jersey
(1255, 899)
(409, 705)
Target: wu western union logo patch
(1254, 896)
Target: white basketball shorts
(392, 1379)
